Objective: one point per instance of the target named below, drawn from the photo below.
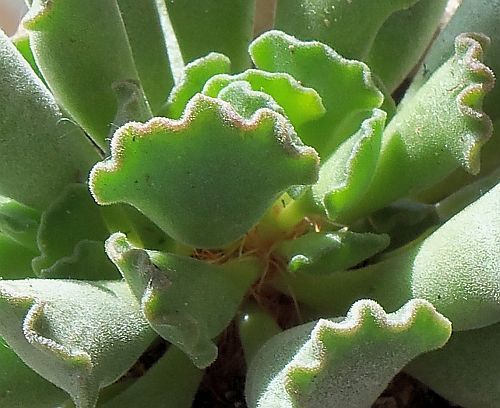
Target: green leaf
(203, 26)
(149, 49)
(15, 259)
(19, 222)
(405, 34)
(82, 49)
(245, 101)
(456, 268)
(345, 87)
(16, 378)
(194, 77)
(343, 362)
(346, 175)
(479, 16)
(325, 252)
(172, 381)
(72, 218)
(208, 178)
(465, 370)
(74, 333)
(40, 151)
(348, 26)
(88, 261)
(21, 40)
(417, 153)
(185, 300)
(299, 103)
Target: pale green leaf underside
(187, 301)
(40, 151)
(324, 363)
(465, 370)
(345, 86)
(207, 178)
(74, 333)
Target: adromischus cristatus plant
(171, 182)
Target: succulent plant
(181, 195)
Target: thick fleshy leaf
(16, 378)
(300, 104)
(187, 301)
(193, 79)
(343, 362)
(15, 259)
(406, 34)
(40, 152)
(345, 87)
(171, 382)
(72, 218)
(346, 175)
(88, 261)
(19, 222)
(80, 336)
(456, 268)
(82, 49)
(208, 178)
(255, 327)
(246, 101)
(479, 16)
(203, 26)
(417, 153)
(348, 26)
(318, 252)
(465, 370)
(22, 42)
(149, 49)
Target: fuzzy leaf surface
(81, 49)
(318, 252)
(323, 363)
(207, 178)
(345, 86)
(465, 370)
(37, 145)
(80, 336)
(193, 79)
(300, 104)
(186, 301)
(418, 153)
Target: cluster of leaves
(145, 199)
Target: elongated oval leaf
(40, 151)
(82, 49)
